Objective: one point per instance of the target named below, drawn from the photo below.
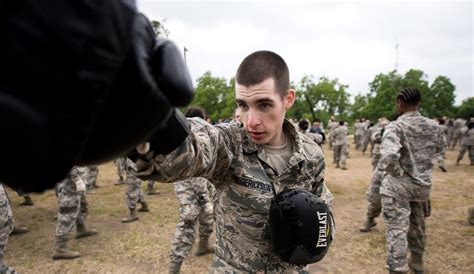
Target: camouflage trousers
(457, 138)
(405, 222)
(358, 140)
(340, 154)
(73, 209)
(195, 206)
(121, 168)
(441, 158)
(463, 150)
(373, 195)
(6, 227)
(134, 193)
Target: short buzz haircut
(410, 96)
(261, 65)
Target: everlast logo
(322, 239)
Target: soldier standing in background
(340, 146)
(73, 209)
(409, 145)
(459, 123)
(442, 155)
(332, 125)
(121, 170)
(467, 142)
(134, 195)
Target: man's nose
(253, 119)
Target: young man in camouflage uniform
(195, 208)
(245, 161)
(409, 146)
(73, 209)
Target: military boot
(369, 223)
(19, 230)
(27, 202)
(144, 207)
(62, 252)
(204, 248)
(132, 217)
(83, 232)
(470, 215)
(150, 190)
(175, 267)
(416, 263)
(457, 161)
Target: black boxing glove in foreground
(58, 60)
(138, 107)
(301, 226)
(67, 68)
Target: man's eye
(241, 105)
(265, 106)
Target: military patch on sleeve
(252, 184)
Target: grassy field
(143, 246)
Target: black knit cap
(409, 95)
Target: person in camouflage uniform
(134, 195)
(73, 209)
(340, 146)
(332, 125)
(89, 174)
(6, 227)
(442, 156)
(359, 132)
(195, 207)
(245, 161)
(409, 145)
(373, 192)
(467, 142)
(121, 170)
(459, 123)
(303, 126)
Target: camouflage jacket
(239, 169)
(408, 147)
(340, 136)
(467, 136)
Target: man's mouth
(256, 135)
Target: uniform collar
(411, 113)
(293, 137)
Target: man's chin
(259, 141)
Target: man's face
(262, 111)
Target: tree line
(324, 97)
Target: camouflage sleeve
(206, 150)
(390, 151)
(319, 187)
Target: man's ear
(290, 99)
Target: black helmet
(301, 226)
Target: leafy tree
(442, 97)
(466, 109)
(215, 95)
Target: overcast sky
(352, 41)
